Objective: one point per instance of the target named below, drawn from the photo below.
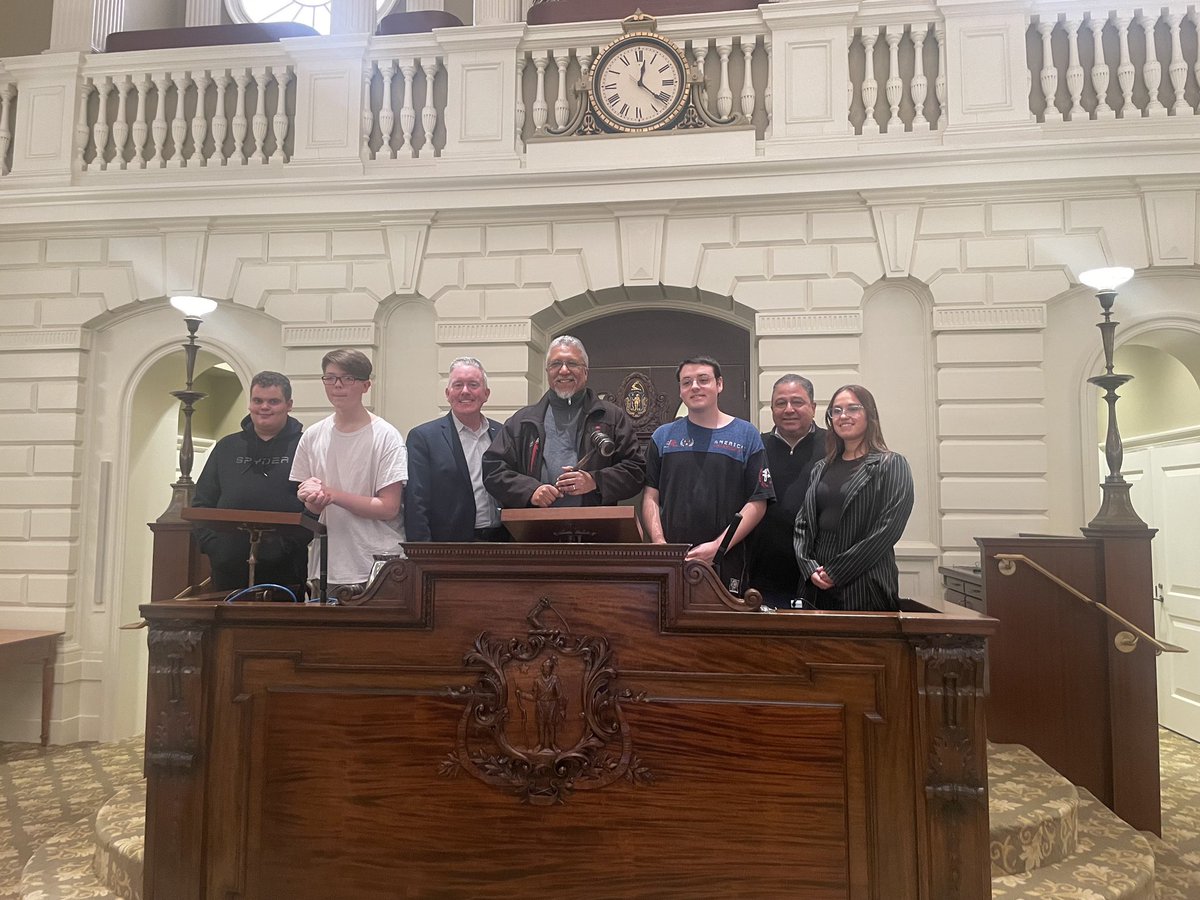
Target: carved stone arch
(136, 360)
(646, 331)
(1155, 300)
(408, 363)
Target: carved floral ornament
(544, 717)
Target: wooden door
(1174, 474)
(651, 344)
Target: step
(1174, 877)
(119, 841)
(61, 869)
(1112, 862)
(1034, 811)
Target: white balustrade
(121, 111)
(198, 109)
(406, 96)
(1139, 85)
(907, 79)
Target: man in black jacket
(249, 470)
(793, 446)
(570, 448)
(445, 499)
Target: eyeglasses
(348, 380)
(785, 402)
(573, 366)
(854, 410)
(701, 380)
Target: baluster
(520, 96)
(767, 92)
(239, 117)
(178, 122)
(1177, 68)
(1074, 70)
(387, 116)
(747, 95)
(120, 127)
(920, 84)
(540, 109)
(700, 54)
(408, 115)
(200, 119)
(1125, 70)
(1100, 70)
(1194, 15)
(158, 130)
(7, 92)
(280, 121)
(1152, 68)
(259, 123)
(140, 127)
(939, 85)
(220, 122)
(368, 114)
(1049, 74)
(584, 57)
(81, 126)
(101, 128)
(429, 111)
(870, 87)
(895, 84)
(562, 107)
(724, 93)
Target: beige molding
(46, 339)
(518, 332)
(329, 335)
(782, 324)
(989, 318)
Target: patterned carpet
(43, 792)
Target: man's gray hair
(566, 340)
(792, 378)
(465, 362)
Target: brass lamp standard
(194, 309)
(1116, 509)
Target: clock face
(639, 83)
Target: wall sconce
(194, 310)
(1116, 509)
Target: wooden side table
(18, 646)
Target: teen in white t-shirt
(352, 467)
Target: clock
(639, 82)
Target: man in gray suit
(445, 499)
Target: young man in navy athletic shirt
(703, 469)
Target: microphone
(603, 443)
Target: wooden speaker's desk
(563, 721)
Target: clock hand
(641, 75)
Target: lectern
(572, 720)
(259, 522)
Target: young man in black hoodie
(249, 470)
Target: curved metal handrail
(1125, 641)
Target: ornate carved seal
(544, 718)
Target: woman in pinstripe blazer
(857, 505)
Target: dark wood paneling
(766, 755)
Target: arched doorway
(1159, 416)
(651, 343)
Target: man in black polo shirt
(793, 446)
